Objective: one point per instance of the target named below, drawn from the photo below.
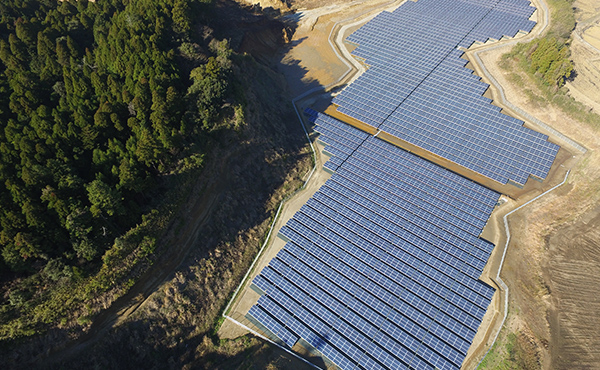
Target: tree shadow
(144, 345)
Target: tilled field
(553, 261)
(573, 275)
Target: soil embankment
(551, 262)
(310, 63)
(585, 52)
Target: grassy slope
(540, 93)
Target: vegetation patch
(108, 110)
(547, 62)
(155, 112)
(544, 65)
(516, 350)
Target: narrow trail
(155, 276)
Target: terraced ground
(572, 268)
(551, 264)
(585, 51)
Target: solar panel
(418, 90)
(382, 263)
(381, 266)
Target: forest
(138, 142)
(98, 101)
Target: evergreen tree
(92, 100)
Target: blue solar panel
(418, 89)
(381, 266)
(311, 114)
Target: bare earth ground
(573, 273)
(248, 297)
(585, 49)
(311, 51)
(551, 266)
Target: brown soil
(555, 175)
(573, 274)
(310, 61)
(551, 261)
(585, 51)
(247, 297)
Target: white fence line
(314, 156)
(498, 278)
(503, 99)
(275, 219)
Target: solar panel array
(341, 140)
(381, 265)
(418, 89)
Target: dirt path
(314, 47)
(247, 297)
(323, 64)
(529, 259)
(198, 213)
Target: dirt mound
(585, 52)
(285, 5)
(252, 29)
(275, 4)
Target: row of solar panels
(381, 266)
(341, 131)
(464, 21)
(422, 181)
(418, 89)
(336, 309)
(465, 211)
(501, 145)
